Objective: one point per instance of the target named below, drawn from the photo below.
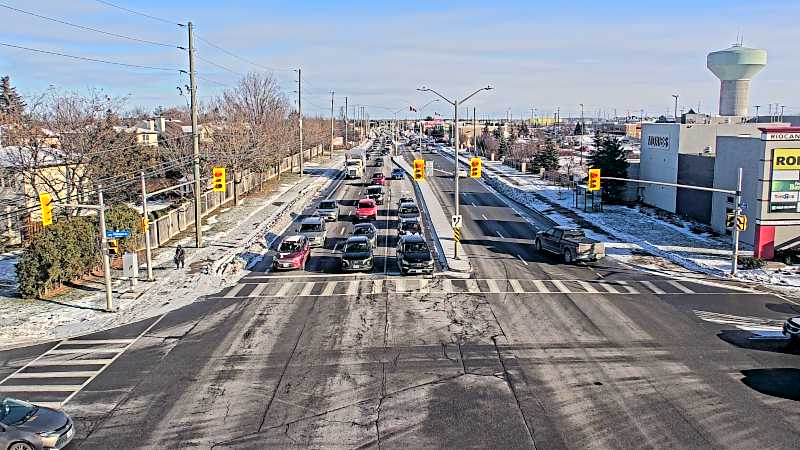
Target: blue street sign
(116, 234)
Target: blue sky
(623, 55)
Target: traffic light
(419, 169)
(475, 167)
(145, 224)
(113, 247)
(594, 180)
(218, 184)
(46, 203)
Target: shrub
(123, 217)
(749, 263)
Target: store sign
(780, 136)
(655, 141)
(784, 197)
(783, 185)
(786, 159)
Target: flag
(411, 108)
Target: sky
(623, 56)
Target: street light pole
(583, 131)
(455, 103)
(675, 114)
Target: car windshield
(311, 227)
(290, 247)
(363, 231)
(408, 209)
(377, 175)
(365, 204)
(416, 247)
(16, 412)
(411, 226)
(354, 247)
(573, 234)
(374, 190)
(327, 205)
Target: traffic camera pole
(195, 145)
(735, 231)
(104, 249)
(146, 229)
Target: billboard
(784, 192)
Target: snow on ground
(8, 268)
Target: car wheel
(20, 446)
(568, 256)
(538, 245)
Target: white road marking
(377, 286)
(493, 287)
(235, 290)
(447, 285)
(307, 289)
(516, 287)
(42, 388)
(352, 288)
(628, 287)
(76, 374)
(97, 341)
(741, 322)
(680, 287)
(472, 286)
(281, 292)
(424, 287)
(652, 287)
(609, 288)
(523, 261)
(560, 286)
(588, 287)
(329, 288)
(540, 287)
(71, 362)
(71, 351)
(400, 285)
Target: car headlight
(345, 262)
(48, 434)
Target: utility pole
(757, 107)
(580, 145)
(675, 114)
(346, 122)
(195, 145)
(300, 115)
(146, 229)
(735, 232)
(332, 94)
(474, 132)
(104, 248)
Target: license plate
(414, 270)
(356, 266)
(286, 265)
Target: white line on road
(307, 289)
(97, 341)
(76, 374)
(516, 287)
(560, 286)
(281, 292)
(540, 287)
(523, 261)
(235, 290)
(588, 287)
(472, 286)
(492, 286)
(652, 287)
(329, 288)
(41, 388)
(609, 288)
(680, 287)
(628, 287)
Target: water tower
(735, 67)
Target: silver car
(328, 210)
(24, 426)
(314, 229)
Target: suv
(378, 178)
(314, 229)
(409, 225)
(293, 253)
(413, 255)
(368, 230)
(397, 174)
(328, 210)
(356, 254)
(375, 193)
(367, 209)
(404, 200)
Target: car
(314, 229)
(409, 225)
(414, 255)
(293, 253)
(379, 161)
(398, 174)
(404, 200)
(379, 178)
(570, 243)
(791, 329)
(356, 254)
(27, 426)
(375, 193)
(407, 210)
(368, 230)
(367, 209)
(328, 210)
(462, 173)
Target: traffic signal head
(594, 180)
(46, 204)
(475, 167)
(218, 183)
(419, 169)
(113, 247)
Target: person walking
(180, 257)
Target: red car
(293, 253)
(378, 178)
(367, 209)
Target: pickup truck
(570, 243)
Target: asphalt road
(527, 353)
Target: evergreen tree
(578, 129)
(610, 158)
(503, 145)
(11, 103)
(547, 158)
(497, 133)
(524, 130)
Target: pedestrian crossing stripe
(327, 288)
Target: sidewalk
(234, 237)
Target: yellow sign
(786, 159)
(741, 221)
(456, 234)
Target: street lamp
(420, 117)
(455, 104)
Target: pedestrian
(180, 256)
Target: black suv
(356, 254)
(413, 255)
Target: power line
(229, 53)
(107, 33)
(217, 65)
(83, 58)
(210, 80)
(139, 13)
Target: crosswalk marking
(41, 388)
(560, 286)
(76, 374)
(68, 351)
(588, 287)
(71, 362)
(540, 287)
(97, 341)
(652, 287)
(423, 285)
(680, 287)
(235, 290)
(329, 288)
